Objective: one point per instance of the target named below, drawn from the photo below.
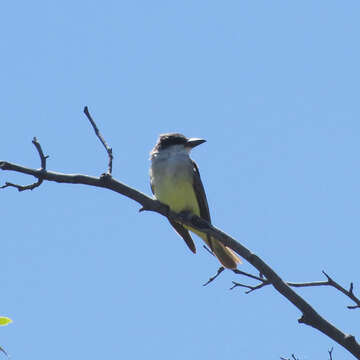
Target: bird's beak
(192, 142)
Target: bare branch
(329, 282)
(293, 357)
(349, 293)
(221, 269)
(309, 315)
(251, 288)
(100, 137)
(3, 351)
(43, 168)
(236, 271)
(239, 272)
(208, 250)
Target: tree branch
(221, 269)
(349, 293)
(330, 282)
(42, 169)
(309, 315)
(100, 137)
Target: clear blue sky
(274, 88)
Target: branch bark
(309, 315)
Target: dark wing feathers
(202, 201)
(200, 195)
(184, 234)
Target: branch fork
(6, 166)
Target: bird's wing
(200, 194)
(201, 198)
(184, 234)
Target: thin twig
(221, 269)
(330, 282)
(42, 169)
(208, 250)
(236, 271)
(239, 272)
(100, 137)
(293, 357)
(3, 351)
(349, 293)
(251, 288)
(330, 353)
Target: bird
(175, 181)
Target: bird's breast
(172, 182)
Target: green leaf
(5, 321)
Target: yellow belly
(178, 195)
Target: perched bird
(175, 181)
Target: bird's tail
(226, 256)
